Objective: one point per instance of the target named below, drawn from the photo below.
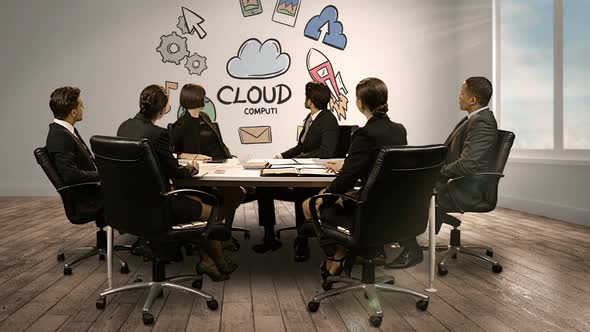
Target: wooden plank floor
(545, 285)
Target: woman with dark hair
(379, 131)
(195, 137)
(152, 104)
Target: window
(542, 57)
(576, 74)
(527, 72)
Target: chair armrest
(205, 197)
(314, 213)
(454, 182)
(80, 185)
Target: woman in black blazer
(195, 137)
(379, 131)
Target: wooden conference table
(232, 174)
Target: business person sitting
(73, 160)
(70, 155)
(469, 146)
(379, 131)
(195, 137)
(152, 104)
(318, 139)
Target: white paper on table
(308, 161)
(281, 161)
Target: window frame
(559, 154)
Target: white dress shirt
(477, 111)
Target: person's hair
(373, 94)
(480, 88)
(192, 96)
(152, 101)
(63, 101)
(318, 93)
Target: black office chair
(393, 206)
(481, 191)
(82, 203)
(344, 140)
(250, 194)
(137, 201)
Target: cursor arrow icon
(193, 22)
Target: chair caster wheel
(391, 282)
(137, 280)
(212, 304)
(366, 296)
(442, 271)
(101, 303)
(313, 306)
(376, 321)
(67, 271)
(101, 257)
(124, 269)
(422, 305)
(454, 256)
(489, 253)
(497, 268)
(148, 318)
(61, 257)
(327, 285)
(247, 235)
(198, 284)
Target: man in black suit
(318, 139)
(469, 146)
(72, 158)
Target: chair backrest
(82, 204)
(480, 193)
(344, 139)
(132, 183)
(396, 197)
(499, 157)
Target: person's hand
(333, 166)
(277, 156)
(202, 157)
(194, 167)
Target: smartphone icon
(286, 12)
(250, 7)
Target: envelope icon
(255, 135)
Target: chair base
(156, 290)
(87, 252)
(370, 291)
(455, 248)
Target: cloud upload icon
(335, 36)
(256, 60)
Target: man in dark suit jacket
(469, 146)
(318, 139)
(68, 152)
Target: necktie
(306, 126)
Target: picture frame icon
(250, 7)
(286, 12)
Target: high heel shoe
(324, 268)
(211, 271)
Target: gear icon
(196, 64)
(173, 48)
(182, 25)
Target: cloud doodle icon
(256, 60)
(335, 36)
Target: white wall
(107, 48)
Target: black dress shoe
(408, 257)
(301, 247)
(267, 245)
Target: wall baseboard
(546, 209)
